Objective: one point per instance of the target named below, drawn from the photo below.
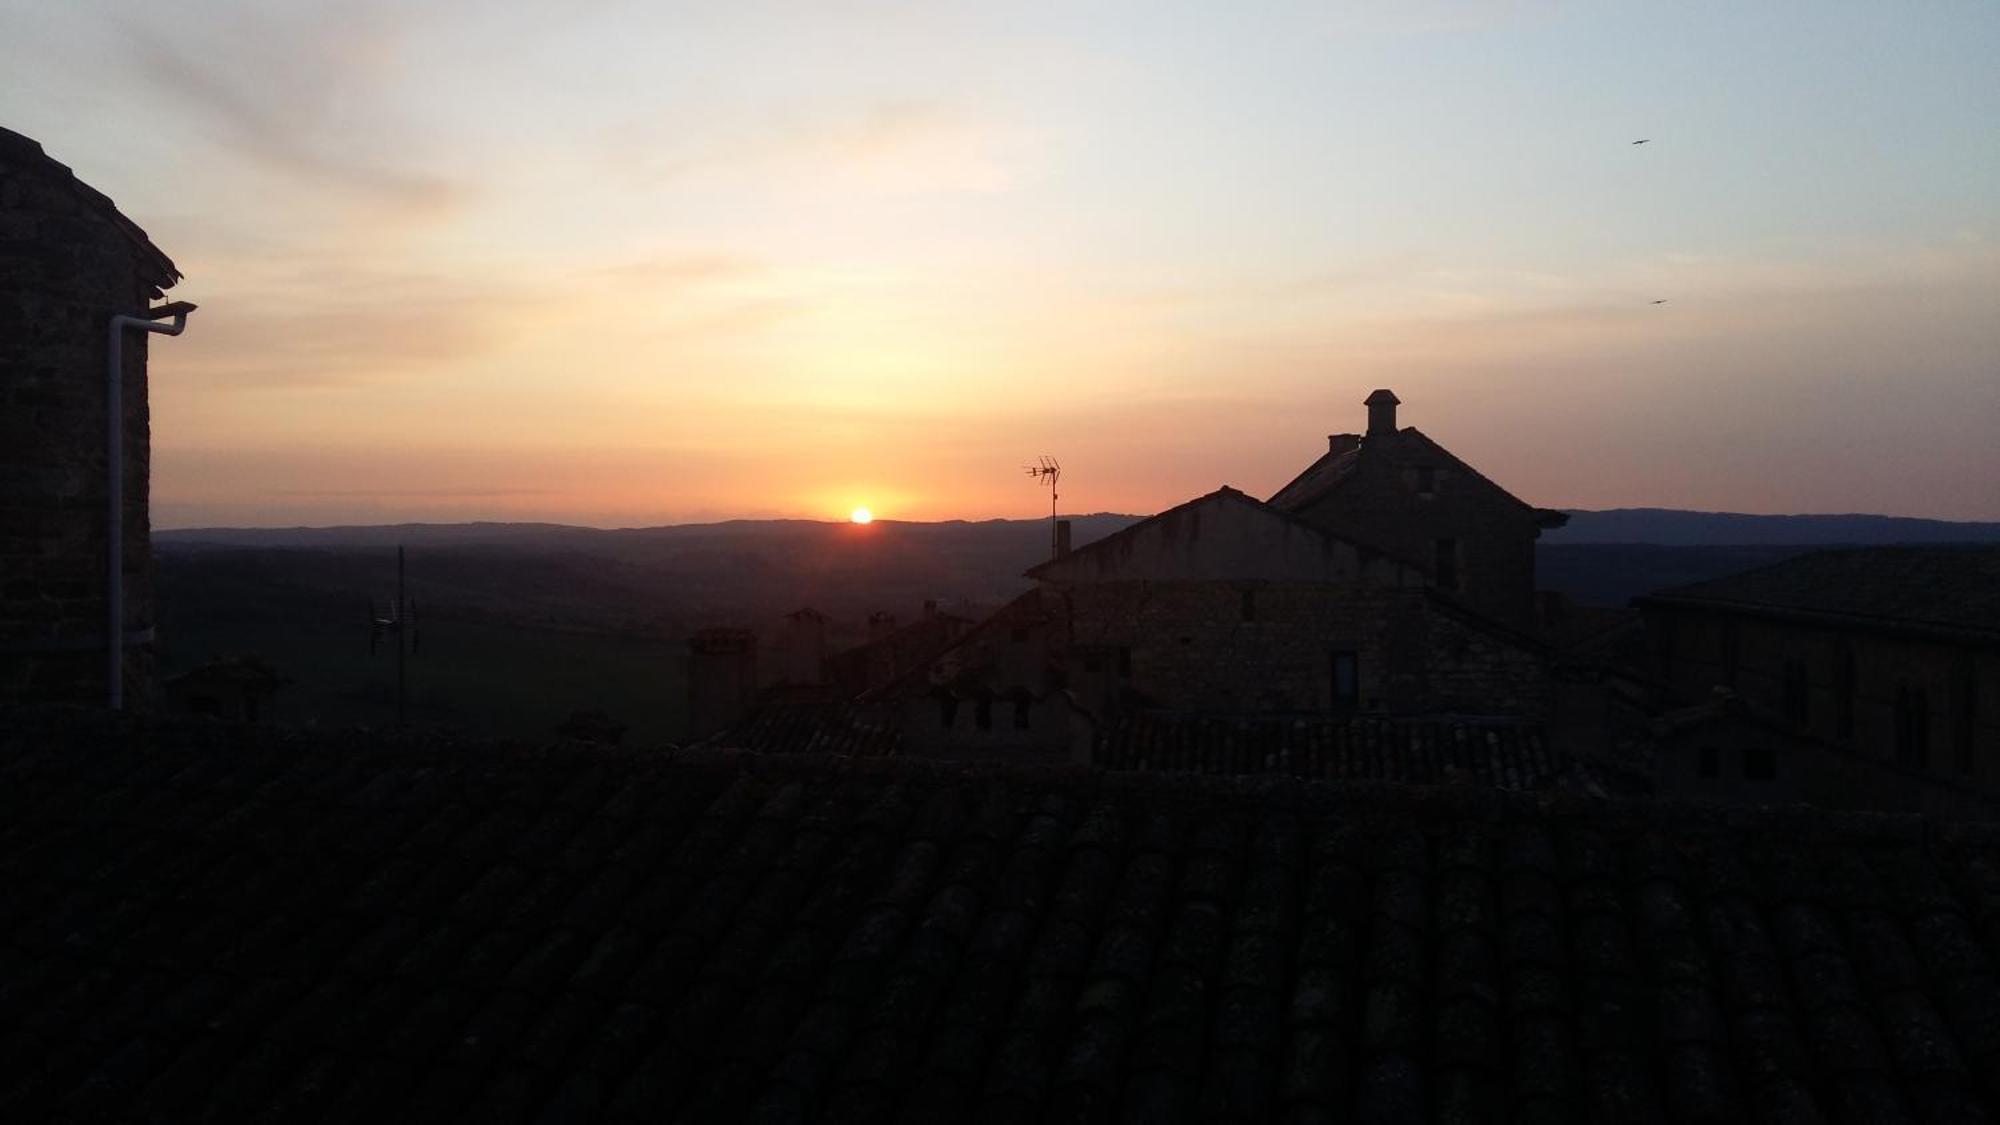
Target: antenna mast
(1050, 470)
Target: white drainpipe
(115, 458)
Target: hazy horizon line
(972, 519)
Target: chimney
(1337, 444)
(721, 679)
(1381, 412)
(1062, 539)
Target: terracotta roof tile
(834, 727)
(1504, 755)
(613, 935)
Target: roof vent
(1381, 412)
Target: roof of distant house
(15, 147)
(1932, 589)
(210, 922)
(969, 657)
(911, 640)
(1223, 493)
(1332, 470)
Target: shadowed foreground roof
(816, 727)
(227, 923)
(1507, 755)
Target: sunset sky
(638, 263)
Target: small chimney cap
(1384, 396)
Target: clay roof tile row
(207, 922)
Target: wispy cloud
(332, 325)
(300, 94)
(895, 146)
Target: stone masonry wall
(1381, 502)
(65, 269)
(1694, 644)
(1237, 647)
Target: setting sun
(862, 515)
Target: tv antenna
(1050, 470)
(396, 618)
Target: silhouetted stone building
(1224, 605)
(1229, 604)
(892, 650)
(1729, 751)
(228, 687)
(721, 679)
(801, 648)
(1403, 493)
(1001, 689)
(69, 262)
(1892, 651)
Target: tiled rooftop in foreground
(230, 923)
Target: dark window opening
(1249, 605)
(1019, 634)
(947, 712)
(1427, 479)
(1913, 726)
(1843, 693)
(982, 713)
(1020, 710)
(1796, 697)
(1446, 556)
(1346, 679)
(1125, 662)
(1760, 763)
(1711, 761)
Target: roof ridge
(31, 151)
(1230, 492)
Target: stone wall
(1236, 647)
(1749, 763)
(1045, 730)
(66, 267)
(1382, 501)
(1473, 670)
(1694, 648)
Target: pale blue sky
(632, 263)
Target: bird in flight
(1661, 301)
(1648, 140)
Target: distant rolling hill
(527, 621)
(1609, 557)
(1674, 528)
(655, 580)
(660, 581)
